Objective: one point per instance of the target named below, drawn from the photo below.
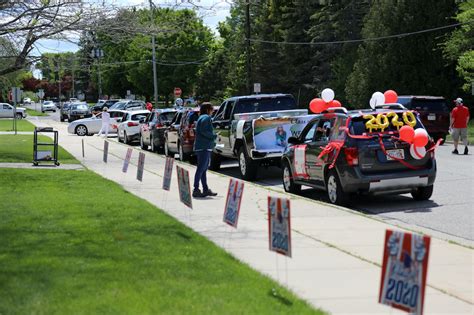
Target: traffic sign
(257, 88)
(16, 93)
(40, 93)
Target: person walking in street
(459, 122)
(105, 122)
(203, 145)
(149, 106)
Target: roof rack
(341, 110)
(390, 106)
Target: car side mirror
(293, 140)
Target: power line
(371, 39)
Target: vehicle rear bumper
(352, 180)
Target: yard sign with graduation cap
(404, 270)
(279, 225)
(168, 173)
(233, 201)
(184, 187)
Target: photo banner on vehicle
(404, 271)
(232, 204)
(106, 151)
(271, 135)
(168, 173)
(279, 225)
(141, 166)
(299, 162)
(184, 187)
(126, 162)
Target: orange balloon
(420, 137)
(317, 105)
(390, 96)
(335, 103)
(407, 133)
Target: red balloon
(317, 105)
(407, 133)
(420, 138)
(334, 103)
(390, 96)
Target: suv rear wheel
(288, 182)
(334, 190)
(125, 138)
(247, 167)
(422, 193)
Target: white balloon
(421, 131)
(379, 98)
(372, 103)
(417, 152)
(327, 95)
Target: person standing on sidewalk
(459, 122)
(203, 145)
(105, 123)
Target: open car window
(308, 134)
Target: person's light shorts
(459, 132)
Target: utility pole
(155, 76)
(73, 87)
(247, 35)
(59, 81)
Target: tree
(407, 64)
(459, 46)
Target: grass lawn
(470, 133)
(21, 125)
(19, 149)
(75, 243)
(32, 112)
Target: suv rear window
(166, 116)
(192, 117)
(264, 105)
(357, 126)
(429, 105)
(136, 117)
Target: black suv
(434, 113)
(360, 161)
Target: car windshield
(265, 105)
(48, 103)
(357, 126)
(118, 105)
(167, 116)
(137, 117)
(79, 106)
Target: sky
(212, 11)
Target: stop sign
(177, 91)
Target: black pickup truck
(255, 129)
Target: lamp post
(155, 75)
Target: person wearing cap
(105, 122)
(178, 103)
(459, 122)
(204, 142)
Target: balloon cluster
(417, 138)
(379, 98)
(326, 101)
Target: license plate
(397, 153)
(82, 116)
(432, 117)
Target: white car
(92, 125)
(48, 106)
(27, 101)
(6, 111)
(129, 127)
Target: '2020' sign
(404, 270)
(279, 225)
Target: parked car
(367, 163)
(78, 111)
(434, 113)
(179, 137)
(56, 102)
(99, 107)
(240, 119)
(128, 105)
(26, 101)
(152, 131)
(129, 125)
(92, 125)
(63, 111)
(48, 106)
(7, 111)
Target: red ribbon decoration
(333, 146)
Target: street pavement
(337, 252)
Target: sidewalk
(336, 252)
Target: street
(447, 215)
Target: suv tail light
(158, 126)
(352, 156)
(132, 124)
